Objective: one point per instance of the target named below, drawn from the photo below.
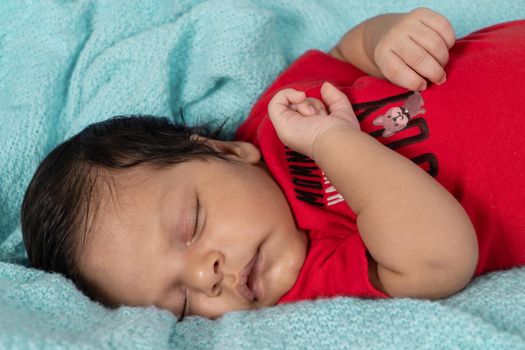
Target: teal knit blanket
(65, 64)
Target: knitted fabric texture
(65, 64)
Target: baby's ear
(239, 150)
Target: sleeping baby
(393, 166)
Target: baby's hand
(300, 121)
(413, 47)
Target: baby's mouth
(245, 280)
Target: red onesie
(466, 133)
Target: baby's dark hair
(57, 210)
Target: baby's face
(197, 238)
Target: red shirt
(467, 133)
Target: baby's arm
(420, 238)
(404, 48)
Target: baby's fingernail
(423, 86)
(442, 80)
(311, 109)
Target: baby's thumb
(336, 100)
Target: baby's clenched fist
(301, 121)
(414, 47)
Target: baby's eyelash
(183, 312)
(191, 239)
(196, 225)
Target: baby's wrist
(323, 144)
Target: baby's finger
(305, 109)
(337, 102)
(282, 101)
(440, 25)
(311, 106)
(399, 73)
(420, 61)
(432, 42)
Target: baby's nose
(207, 275)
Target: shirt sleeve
(312, 67)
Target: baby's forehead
(123, 179)
(118, 198)
(113, 191)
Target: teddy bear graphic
(397, 118)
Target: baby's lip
(255, 281)
(241, 285)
